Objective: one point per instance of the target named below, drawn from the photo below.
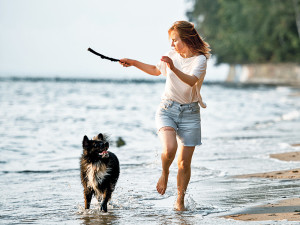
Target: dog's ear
(107, 145)
(85, 142)
(100, 137)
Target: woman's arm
(150, 69)
(190, 80)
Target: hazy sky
(51, 37)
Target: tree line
(249, 31)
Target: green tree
(249, 31)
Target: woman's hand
(169, 62)
(126, 62)
(188, 79)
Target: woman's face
(176, 43)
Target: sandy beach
(288, 209)
(282, 174)
(290, 156)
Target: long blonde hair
(191, 38)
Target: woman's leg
(169, 144)
(184, 173)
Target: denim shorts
(184, 118)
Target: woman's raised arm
(147, 68)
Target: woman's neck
(187, 54)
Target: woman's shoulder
(200, 59)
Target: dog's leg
(99, 198)
(106, 197)
(87, 198)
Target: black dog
(99, 170)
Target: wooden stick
(103, 56)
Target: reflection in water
(95, 217)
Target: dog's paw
(104, 207)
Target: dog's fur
(99, 170)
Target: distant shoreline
(266, 73)
(122, 80)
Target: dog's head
(96, 148)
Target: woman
(179, 111)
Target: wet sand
(282, 174)
(288, 209)
(289, 156)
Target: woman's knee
(185, 158)
(184, 165)
(170, 152)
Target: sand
(288, 209)
(289, 156)
(282, 174)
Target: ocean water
(43, 121)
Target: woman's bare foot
(179, 205)
(162, 183)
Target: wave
(293, 115)
(289, 116)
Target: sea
(43, 121)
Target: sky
(51, 37)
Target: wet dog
(99, 170)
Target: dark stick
(103, 56)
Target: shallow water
(43, 121)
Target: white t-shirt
(176, 89)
